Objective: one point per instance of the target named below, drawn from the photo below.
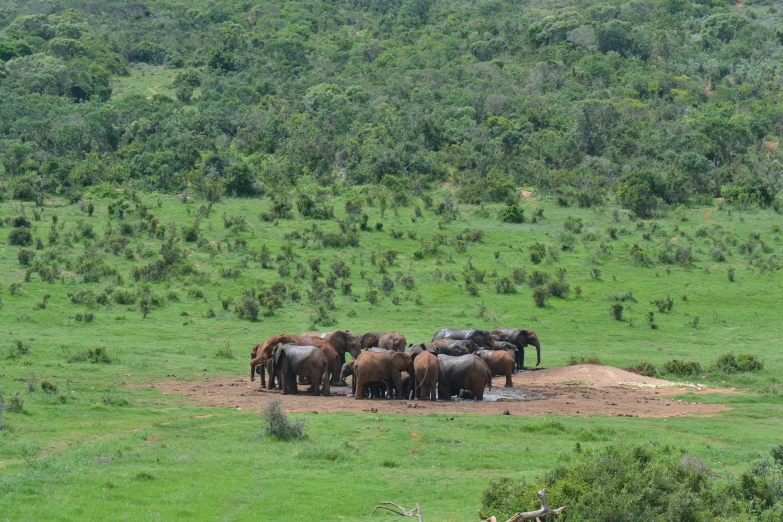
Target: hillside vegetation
(660, 100)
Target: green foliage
(682, 368)
(644, 369)
(512, 214)
(99, 355)
(744, 362)
(609, 483)
(18, 350)
(276, 424)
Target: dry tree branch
(545, 511)
(400, 510)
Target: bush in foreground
(682, 368)
(647, 482)
(275, 423)
(744, 362)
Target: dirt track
(572, 390)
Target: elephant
(344, 341)
(452, 347)
(291, 360)
(392, 341)
(482, 338)
(416, 349)
(519, 338)
(370, 340)
(500, 362)
(373, 390)
(466, 372)
(263, 351)
(425, 367)
(381, 365)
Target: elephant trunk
(538, 352)
(252, 373)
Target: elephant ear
(401, 361)
(277, 354)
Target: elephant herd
(455, 362)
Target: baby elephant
(500, 362)
(290, 361)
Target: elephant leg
(326, 390)
(359, 393)
(509, 384)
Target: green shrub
(645, 369)
(48, 387)
(744, 362)
(616, 309)
(248, 308)
(18, 350)
(512, 214)
(26, 256)
(15, 403)
(540, 296)
(20, 237)
(275, 423)
(682, 368)
(590, 359)
(537, 278)
(663, 304)
(558, 289)
(634, 483)
(504, 285)
(98, 355)
(224, 352)
(537, 252)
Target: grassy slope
(208, 467)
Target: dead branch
(545, 511)
(400, 510)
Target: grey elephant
(519, 338)
(290, 361)
(454, 347)
(466, 372)
(482, 338)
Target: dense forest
(654, 101)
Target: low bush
(512, 214)
(645, 369)
(275, 423)
(590, 359)
(20, 237)
(744, 362)
(18, 350)
(224, 352)
(98, 355)
(646, 482)
(48, 387)
(682, 368)
(504, 285)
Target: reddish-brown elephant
(381, 365)
(500, 362)
(370, 340)
(263, 351)
(344, 341)
(425, 367)
(392, 341)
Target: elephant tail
(489, 378)
(425, 379)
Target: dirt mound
(573, 390)
(592, 375)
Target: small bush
(537, 278)
(595, 273)
(622, 297)
(224, 352)
(20, 237)
(645, 369)
(682, 368)
(537, 252)
(504, 285)
(18, 350)
(512, 214)
(389, 463)
(48, 387)
(275, 423)
(248, 308)
(26, 256)
(663, 304)
(558, 289)
(744, 362)
(730, 273)
(86, 317)
(98, 355)
(540, 296)
(590, 359)
(617, 311)
(15, 403)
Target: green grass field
(147, 83)
(105, 444)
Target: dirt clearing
(572, 390)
